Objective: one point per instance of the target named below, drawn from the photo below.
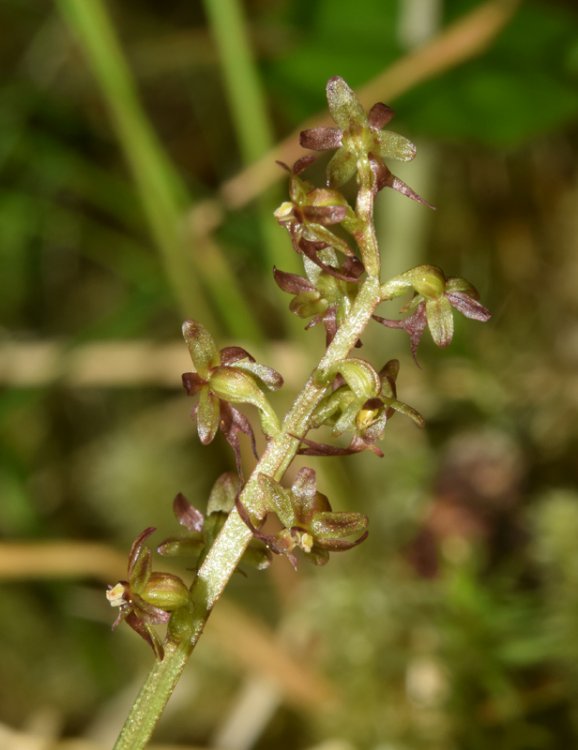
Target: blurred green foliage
(454, 625)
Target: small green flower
(432, 304)
(362, 145)
(308, 216)
(146, 599)
(321, 296)
(309, 523)
(203, 530)
(223, 378)
(362, 403)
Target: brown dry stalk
(128, 363)
(60, 559)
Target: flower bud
(429, 281)
(232, 385)
(165, 591)
(237, 387)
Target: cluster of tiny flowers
(329, 234)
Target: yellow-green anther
(117, 594)
(284, 212)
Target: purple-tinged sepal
(201, 531)
(431, 307)
(222, 378)
(308, 521)
(362, 403)
(362, 145)
(147, 598)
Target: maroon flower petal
(187, 515)
(291, 282)
(232, 354)
(232, 424)
(359, 444)
(415, 325)
(322, 449)
(401, 187)
(469, 306)
(351, 269)
(325, 215)
(329, 320)
(148, 612)
(301, 164)
(146, 632)
(385, 178)
(320, 139)
(380, 115)
(276, 543)
(192, 382)
(139, 558)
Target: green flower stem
(248, 106)
(151, 700)
(225, 554)
(163, 195)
